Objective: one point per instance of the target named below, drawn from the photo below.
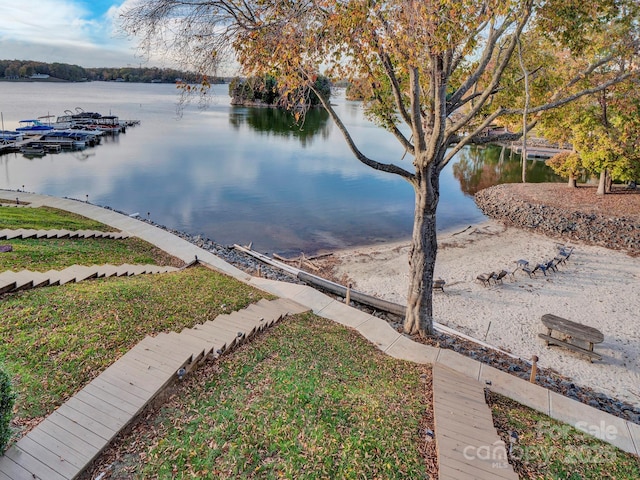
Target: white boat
(10, 136)
(33, 127)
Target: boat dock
(69, 132)
(19, 145)
(539, 152)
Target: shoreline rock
(501, 203)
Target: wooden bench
(571, 330)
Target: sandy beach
(597, 287)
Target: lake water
(240, 175)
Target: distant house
(39, 76)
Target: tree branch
(575, 96)
(497, 74)
(395, 86)
(416, 116)
(388, 68)
(487, 54)
(383, 167)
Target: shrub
(7, 399)
(566, 164)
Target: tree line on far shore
(24, 69)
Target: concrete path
(379, 332)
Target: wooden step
(197, 347)
(106, 270)
(216, 341)
(200, 347)
(165, 345)
(28, 233)
(38, 279)
(6, 284)
(11, 234)
(25, 465)
(162, 361)
(22, 281)
(266, 309)
(59, 277)
(116, 235)
(463, 421)
(229, 327)
(23, 233)
(80, 272)
(81, 424)
(84, 233)
(123, 270)
(55, 233)
(240, 320)
(137, 270)
(57, 453)
(227, 339)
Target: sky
(79, 32)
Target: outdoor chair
(485, 278)
(555, 262)
(439, 284)
(497, 277)
(512, 274)
(531, 271)
(563, 255)
(544, 266)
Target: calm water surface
(240, 175)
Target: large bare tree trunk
(602, 184)
(422, 256)
(608, 183)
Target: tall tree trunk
(608, 183)
(572, 181)
(422, 256)
(602, 183)
(525, 111)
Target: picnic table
(571, 331)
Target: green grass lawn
(46, 218)
(54, 340)
(46, 254)
(548, 449)
(308, 399)
(42, 254)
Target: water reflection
(239, 175)
(480, 167)
(282, 123)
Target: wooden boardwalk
(468, 445)
(22, 233)
(11, 281)
(69, 439)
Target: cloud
(63, 31)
